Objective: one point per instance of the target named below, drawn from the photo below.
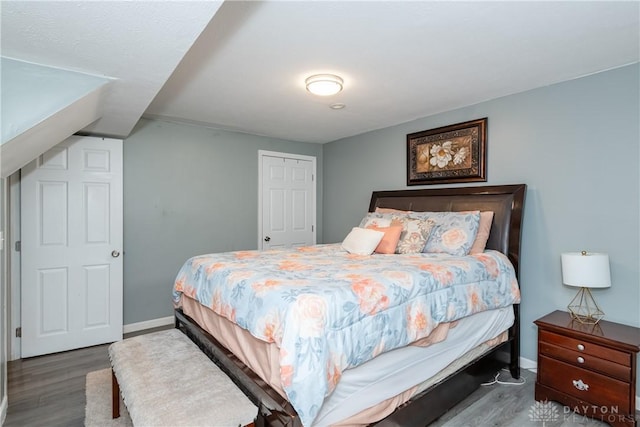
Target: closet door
(287, 202)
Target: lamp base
(584, 308)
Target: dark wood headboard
(506, 202)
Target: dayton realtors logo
(545, 412)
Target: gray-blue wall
(188, 190)
(576, 146)
(191, 190)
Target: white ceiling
(136, 43)
(399, 60)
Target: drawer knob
(580, 385)
(580, 359)
(580, 347)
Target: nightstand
(589, 368)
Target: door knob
(115, 254)
(267, 239)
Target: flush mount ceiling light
(324, 84)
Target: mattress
(328, 310)
(372, 390)
(393, 372)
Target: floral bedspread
(328, 310)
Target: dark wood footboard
(273, 409)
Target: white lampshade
(586, 270)
(324, 84)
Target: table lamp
(585, 270)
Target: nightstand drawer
(586, 348)
(586, 361)
(586, 385)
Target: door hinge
(18, 245)
(312, 228)
(19, 332)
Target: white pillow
(362, 241)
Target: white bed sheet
(393, 372)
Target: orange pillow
(390, 239)
(486, 218)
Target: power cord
(497, 381)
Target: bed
(325, 357)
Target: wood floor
(50, 391)
(507, 405)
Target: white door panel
(71, 223)
(287, 200)
(52, 282)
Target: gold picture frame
(448, 154)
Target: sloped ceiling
(31, 91)
(42, 106)
(241, 65)
(134, 44)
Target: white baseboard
(148, 324)
(528, 364)
(3, 410)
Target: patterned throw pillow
(453, 233)
(376, 220)
(415, 233)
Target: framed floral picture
(455, 153)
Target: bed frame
(507, 202)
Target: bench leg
(115, 396)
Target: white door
(287, 200)
(71, 231)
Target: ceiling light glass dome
(324, 84)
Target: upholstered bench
(165, 380)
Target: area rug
(97, 413)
